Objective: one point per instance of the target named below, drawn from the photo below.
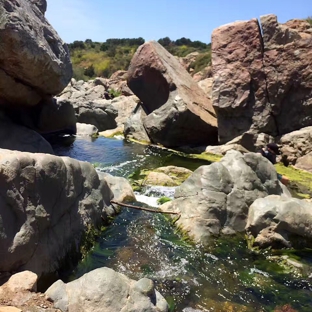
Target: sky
(99, 20)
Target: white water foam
(151, 201)
(115, 167)
(153, 193)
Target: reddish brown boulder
(239, 88)
(287, 65)
(262, 83)
(178, 111)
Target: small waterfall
(151, 194)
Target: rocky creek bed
(224, 276)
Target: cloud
(72, 19)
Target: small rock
(23, 281)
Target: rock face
(106, 290)
(47, 203)
(40, 65)
(178, 111)
(262, 83)
(287, 59)
(239, 88)
(217, 197)
(280, 222)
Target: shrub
(163, 200)
(114, 93)
(89, 71)
(202, 61)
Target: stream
(225, 276)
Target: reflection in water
(224, 277)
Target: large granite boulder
(106, 290)
(47, 204)
(239, 92)
(20, 138)
(217, 197)
(178, 111)
(262, 79)
(40, 65)
(279, 222)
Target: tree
(165, 42)
(77, 45)
(183, 41)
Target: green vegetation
(101, 59)
(309, 20)
(300, 181)
(114, 93)
(163, 200)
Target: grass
(207, 156)
(300, 180)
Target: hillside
(101, 59)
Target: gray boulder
(279, 222)
(47, 203)
(86, 130)
(22, 139)
(98, 113)
(134, 128)
(40, 65)
(106, 290)
(217, 197)
(56, 116)
(120, 187)
(296, 144)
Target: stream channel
(225, 276)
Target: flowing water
(225, 276)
